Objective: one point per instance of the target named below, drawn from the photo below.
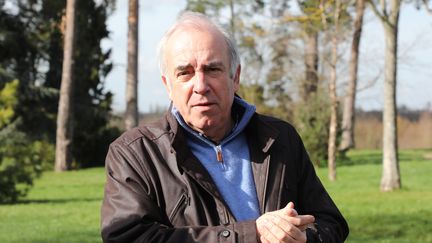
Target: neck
(216, 134)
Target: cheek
(180, 94)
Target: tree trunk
(310, 83)
(131, 116)
(348, 118)
(232, 18)
(333, 97)
(391, 176)
(64, 134)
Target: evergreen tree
(37, 62)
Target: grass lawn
(401, 216)
(64, 207)
(61, 207)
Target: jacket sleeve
(314, 200)
(129, 213)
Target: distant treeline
(414, 129)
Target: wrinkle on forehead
(186, 48)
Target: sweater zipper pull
(219, 154)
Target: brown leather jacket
(157, 191)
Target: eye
(182, 73)
(213, 70)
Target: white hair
(201, 21)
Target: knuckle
(280, 235)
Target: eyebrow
(180, 68)
(183, 67)
(214, 64)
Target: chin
(205, 123)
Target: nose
(200, 83)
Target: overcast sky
(414, 75)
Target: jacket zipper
(181, 203)
(219, 153)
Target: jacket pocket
(180, 205)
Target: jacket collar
(263, 133)
(261, 137)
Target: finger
(288, 233)
(290, 205)
(301, 237)
(293, 213)
(275, 232)
(264, 240)
(302, 220)
(289, 229)
(289, 210)
(264, 227)
(304, 227)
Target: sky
(414, 88)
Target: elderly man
(212, 169)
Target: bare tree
(310, 84)
(388, 13)
(131, 116)
(333, 126)
(348, 118)
(64, 134)
(312, 28)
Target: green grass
(373, 216)
(64, 207)
(61, 207)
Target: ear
(236, 79)
(167, 85)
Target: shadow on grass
(55, 201)
(375, 157)
(391, 227)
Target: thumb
(289, 210)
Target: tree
(311, 56)
(92, 132)
(131, 115)
(333, 126)
(311, 23)
(311, 112)
(31, 50)
(347, 140)
(388, 14)
(64, 133)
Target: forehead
(196, 44)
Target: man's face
(198, 78)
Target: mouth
(203, 104)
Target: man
(212, 170)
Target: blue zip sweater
(228, 162)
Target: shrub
(312, 121)
(19, 165)
(21, 159)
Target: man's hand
(284, 225)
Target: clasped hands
(284, 225)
